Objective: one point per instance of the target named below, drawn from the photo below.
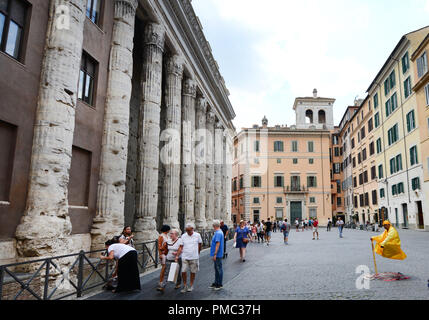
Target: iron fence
(65, 276)
(62, 277)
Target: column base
(201, 224)
(103, 230)
(145, 229)
(173, 223)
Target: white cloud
(302, 45)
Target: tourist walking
(340, 225)
(268, 228)
(316, 228)
(225, 231)
(328, 228)
(127, 237)
(216, 252)
(285, 228)
(306, 224)
(302, 225)
(190, 251)
(242, 238)
(162, 251)
(173, 245)
(297, 224)
(254, 232)
(127, 270)
(260, 230)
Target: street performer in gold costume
(388, 244)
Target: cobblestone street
(304, 269)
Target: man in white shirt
(190, 251)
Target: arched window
(322, 116)
(309, 116)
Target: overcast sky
(271, 51)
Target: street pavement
(305, 269)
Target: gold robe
(391, 243)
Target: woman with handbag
(162, 252)
(173, 245)
(242, 237)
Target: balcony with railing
(295, 189)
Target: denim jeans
(340, 229)
(218, 271)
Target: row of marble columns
(45, 228)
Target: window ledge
(19, 63)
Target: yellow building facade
(421, 88)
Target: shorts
(268, 233)
(286, 234)
(191, 265)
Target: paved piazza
(305, 269)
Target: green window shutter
(399, 162)
(392, 79)
(386, 87)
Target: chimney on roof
(315, 93)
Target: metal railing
(61, 277)
(79, 273)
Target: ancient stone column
(109, 219)
(171, 155)
(200, 164)
(210, 200)
(227, 188)
(223, 178)
(45, 226)
(188, 167)
(218, 182)
(145, 219)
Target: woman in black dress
(128, 271)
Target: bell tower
(314, 112)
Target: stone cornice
(192, 31)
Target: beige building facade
(283, 172)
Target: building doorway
(405, 215)
(255, 216)
(295, 210)
(420, 221)
(396, 217)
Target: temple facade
(113, 113)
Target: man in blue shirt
(216, 252)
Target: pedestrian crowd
(179, 255)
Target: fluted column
(227, 188)
(145, 219)
(188, 166)
(113, 164)
(45, 226)
(170, 155)
(218, 182)
(200, 164)
(210, 122)
(224, 177)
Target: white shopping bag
(234, 245)
(174, 272)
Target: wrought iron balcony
(295, 189)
